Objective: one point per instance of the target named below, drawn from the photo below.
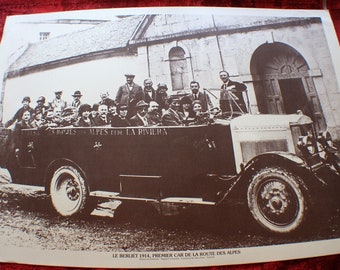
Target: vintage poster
(169, 137)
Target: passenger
(140, 118)
(41, 105)
(69, 117)
(171, 116)
(231, 96)
(76, 99)
(129, 94)
(161, 97)
(25, 121)
(38, 120)
(18, 115)
(58, 101)
(105, 99)
(196, 94)
(57, 111)
(153, 115)
(121, 120)
(94, 111)
(185, 106)
(49, 116)
(101, 119)
(200, 117)
(112, 110)
(149, 91)
(84, 119)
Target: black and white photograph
(169, 137)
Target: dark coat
(136, 121)
(100, 122)
(117, 121)
(172, 118)
(147, 97)
(236, 101)
(204, 100)
(128, 97)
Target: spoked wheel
(69, 192)
(276, 200)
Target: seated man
(172, 116)
(101, 119)
(153, 114)
(140, 118)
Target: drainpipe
(218, 43)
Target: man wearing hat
(171, 116)
(76, 99)
(161, 96)
(129, 94)
(41, 105)
(57, 101)
(140, 118)
(18, 115)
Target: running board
(182, 200)
(116, 196)
(186, 200)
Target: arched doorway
(178, 69)
(282, 82)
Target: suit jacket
(154, 118)
(147, 97)
(128, 97)
(204, 100)
(172, 118)
(236, 93)
(119, 122)
(137, 121)
(100, 122)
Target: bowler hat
(141, 103)
(28, 99)
(77, 94)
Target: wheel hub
(275, 198)
(72, 190)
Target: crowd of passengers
(133, 106)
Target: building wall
(91, 78)
(205, 57)
(236, 51)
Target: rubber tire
(277, 200)
(69, 192)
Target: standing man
(57, 101)
(129, 94)
(149, 91)
(18, 115)
(76, 99)
(196, 94)
(231, 97)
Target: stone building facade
(285, 62)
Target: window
(178, 69)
